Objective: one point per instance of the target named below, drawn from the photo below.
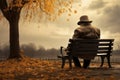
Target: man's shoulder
(97, 30)
(79, 29)
(94, 27)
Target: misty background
(30, 50)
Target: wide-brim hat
(84, 19)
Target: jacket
(86, 32)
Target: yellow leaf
(75, 11)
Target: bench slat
(91, 40)
(104, 48)
(84, 49)
(105, 44)
(104, 51)
(106, 40)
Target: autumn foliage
(35, 69)
(50, 8)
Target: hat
(84, 19)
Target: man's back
(86, 32)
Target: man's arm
(76, 34)
(99, 33)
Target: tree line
(32, 51)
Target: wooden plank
(101, 54)
(92, 40)
(104, 51)
(83, 40)
(104, 48)
(92, 52)
(105, 44)
(85, 45)
(85, 49)
(106, 40)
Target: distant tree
(52, 53)
(47, 53)
(29, 49)
(11, 11)
(4, 51)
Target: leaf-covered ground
(35, 69)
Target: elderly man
(85, 31)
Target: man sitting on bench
(85, 31)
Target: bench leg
(108, 58)
(70, 62)
(63, 62)
(102, 60)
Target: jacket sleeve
(98, 33)
(76, 34)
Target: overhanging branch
(4, 7)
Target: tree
(11, 11)
(29, 49)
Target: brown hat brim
(79, 23)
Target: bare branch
(27, 1)
(24, 2)
(3, 7)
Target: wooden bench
(88, 49)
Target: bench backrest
(88, 49)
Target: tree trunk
(12, 14)
(14, 36)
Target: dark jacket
(87, 32)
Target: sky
(53, 34)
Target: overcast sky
(105, 15)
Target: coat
(87, 32)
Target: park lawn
(36, 69)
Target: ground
(35, 69)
